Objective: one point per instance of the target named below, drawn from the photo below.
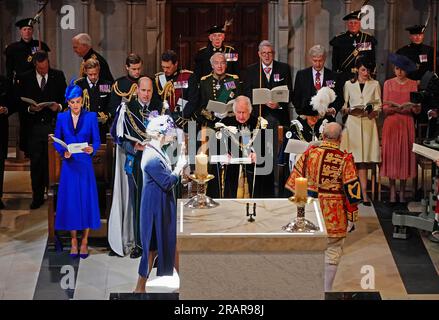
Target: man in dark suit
(269, 73)
(96, 95)
(81, 44)
(308, 81)
(42, 85)
(6, 109)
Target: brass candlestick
(300, 224)
(201, 200)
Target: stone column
(273, 36)
(298, 14)
(85, 7)
(160, 35)
(348, 6)
(152, 36)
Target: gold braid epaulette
(168, 91)
(128, 94)
(86, 100)
(133, 123)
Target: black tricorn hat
(216, 29)
(416, 29)
(354, 15)
(27, 22)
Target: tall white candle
(201, 165)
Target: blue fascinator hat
(73, 91)
(402, 62)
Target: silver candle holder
(201, 200)
(300, 224)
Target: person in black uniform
(422, 55)
(81, 44)
(19, 54)
(96, 95)
(18, 60)
(216, 44)
(44, 85)
(348, 45)
(124, 88)
(6, 109)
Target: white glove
(181, 163)
(351, 226)
(220, 115)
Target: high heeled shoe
(74, 255)
(84, 255)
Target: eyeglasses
(269, 53)
(219, 63)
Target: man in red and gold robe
(332, 178)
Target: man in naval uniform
(124, 88)
(216, 44)
(19, 60)
(222, 87)
(348, 45)
(177, 89)
(81, 44)
(96, 94)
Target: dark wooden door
(187, 22)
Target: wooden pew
(103, 167)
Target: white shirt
(268, 75)
(91, 83)
(40, 77)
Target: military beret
(354, 15)
(28, 22)
(215, 29)
(416, 29)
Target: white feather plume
(322, 99)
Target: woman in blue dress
(77, 207)
(158, 204)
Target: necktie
(318, 84)
(267, 72)
(43, 83)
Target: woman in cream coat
(362, 97)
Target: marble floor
(31, 270)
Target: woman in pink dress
(398, 160)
